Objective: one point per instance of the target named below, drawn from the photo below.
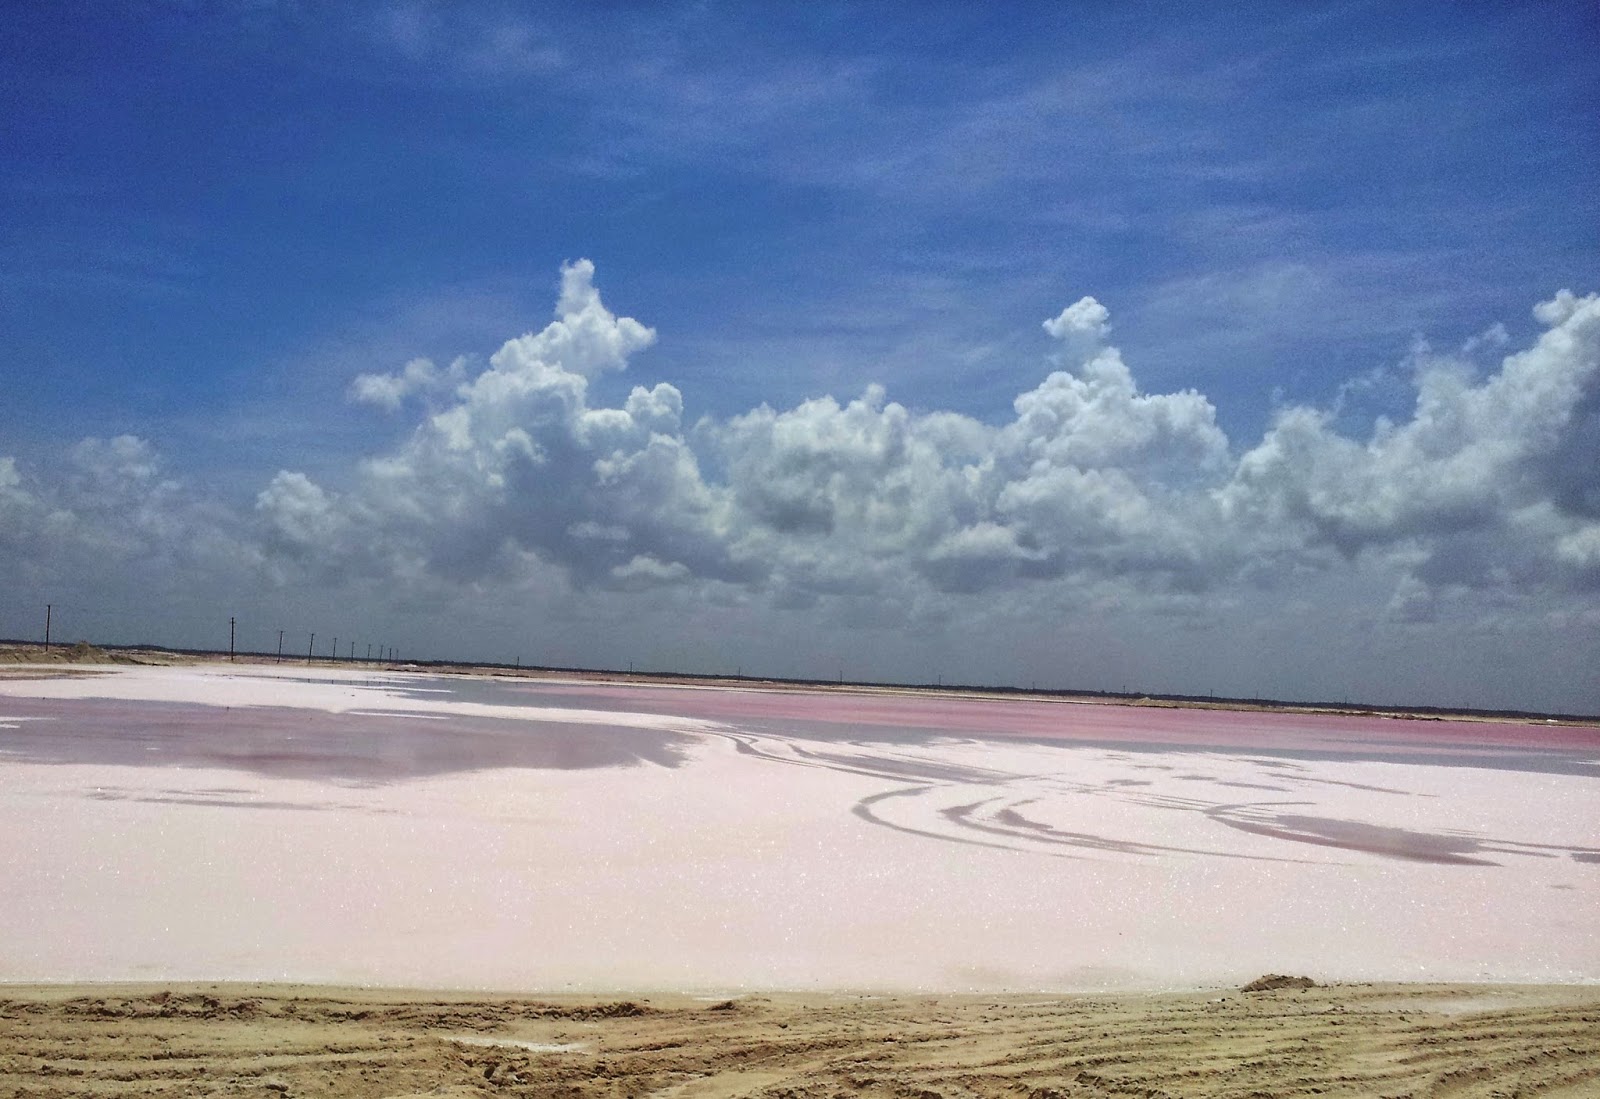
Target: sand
(1351, 1041)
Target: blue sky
(217, 217)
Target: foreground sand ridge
(1390, 1040)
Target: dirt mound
(81, 652)
(163, 1005)
(620, 1009)
(1272, 982)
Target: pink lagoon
(225, 822)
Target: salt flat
(337, 826)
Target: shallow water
(285, 742)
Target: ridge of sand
(275, 1040)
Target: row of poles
(385, 652)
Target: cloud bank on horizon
(512, 483)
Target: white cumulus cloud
(1488, 482)
(1092, 497)
(1489, 478)
(389, 391)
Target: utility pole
(369, 652)
(352, 652)
(230, 639)
(47, 609)
(280, 646)
(311, 647)
(336, 650)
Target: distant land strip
(17, 652)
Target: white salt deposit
(768, 861)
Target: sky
(1093, 346)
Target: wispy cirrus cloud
(452, 41)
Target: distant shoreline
(24, 653)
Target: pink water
(225, 823)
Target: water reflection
(367, 747)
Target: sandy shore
(1351, 1041)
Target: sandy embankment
(1352, 1042)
